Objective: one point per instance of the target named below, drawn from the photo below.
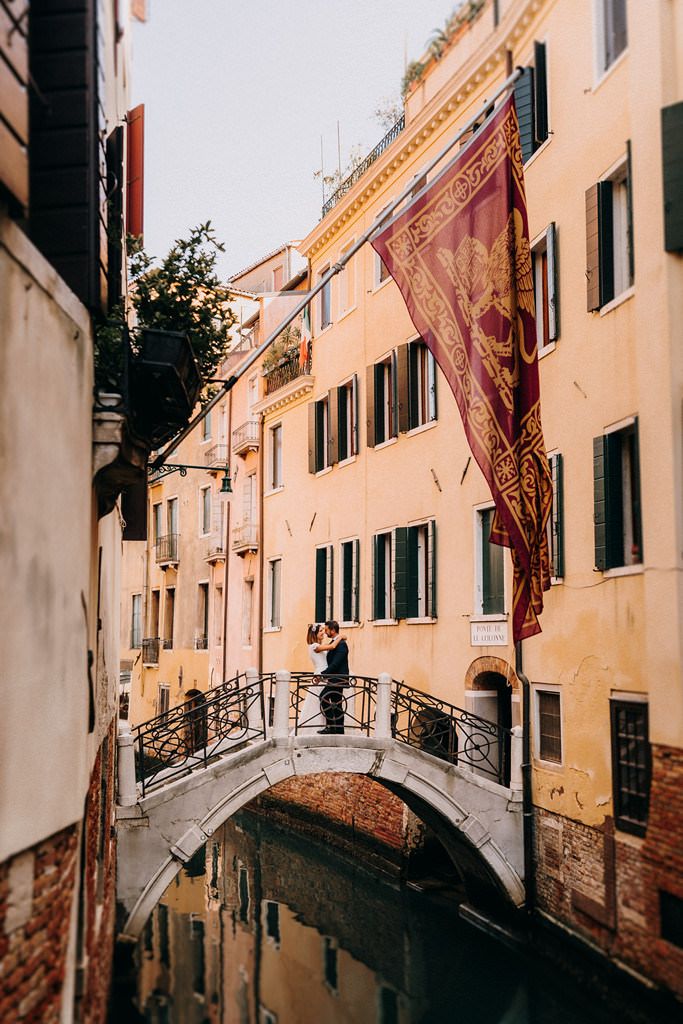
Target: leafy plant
(285, 345)
(413, 73)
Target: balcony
(245, 438)
(359, 171)
(216, 456)
(150, 650)
(201, 643)
(245, 538)
(286, 370)
(215, 551)
(167, 550)
(167, 643)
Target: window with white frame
(609, 236)
(136, 621)
(382, 575)
(247, 611)
(157, 527)
(201, 642)
(163, 698)
(543, 262)
(218, 616)
(548, 731)
(350, 581)
(169, 617)
(273, 618)
(420, 572)
(275, 457)
(206, 427)
(490, 578)
(347, 284)
(611, 32)
(617, 510)
(347, 427)
(382, 403)
(319, 435)
(421, 384)
(324, 583)
(205, 511)
(172, 516)
(556, 520)
(325, 302)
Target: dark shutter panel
(134, 511)
(311, 437)
(393, 397)
(403, 388)
(431, 563)
(556, 517)
(605, 232)
(540, 94)
(412, 606)
(332, 427)
(135, 171)
(377, 575)
(343, 446)
(672, 170)
(399, 556)
(553, 292)
(592, 250)
(619, 32)
(115, 236)
(614, 500)
(599, 503)
(320, 584)
(329, 583)
(524, 101)
(355, 603)
(629, 214)
(370, 405)
(433, 373)
(635, 483)
(347, 581)
(354, 439)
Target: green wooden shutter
(354, 440)
(524, 102)
(431, 569)
(320, 584)
(556, 517)
(329, 584)
(672, 171)
(606, 228)
(540, 94)
(629, 214)
(377, 576)
(431, 387)
(393, 396)
(553, 296)
(355, 582)
(403, 387)
(380, 399)
(412, 605)
(332, 426)
(370, 406)
(343, 451)
(592, 250)
(347, 581)
(599, 503)
(399, 572)
(637, 508)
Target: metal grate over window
(550, 734)
(631, 770)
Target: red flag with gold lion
(460, 256)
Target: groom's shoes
(330, 732)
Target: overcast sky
(237, 95)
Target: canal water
(264, 927)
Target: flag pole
(380, 221)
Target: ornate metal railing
(150, 650)
(359, 171)
(288, 369)
(167, 548)
(345, 704)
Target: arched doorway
(492, 692)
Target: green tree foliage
(184, 293)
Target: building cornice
(446, 102)
(297, 388)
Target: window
(206, 427)
(404, 572)
(172, 516)
(347, 284)
(555, 523)
(319, 435)
(609, 237)
(274, 595)
(169, 615)
(275, 461)
(416, 374)
(202, 633)
(548, 725)
(347, 427)
(350, 568)
(381, 401)
(218, 616)
(671, 918)
(156, 521)
(247, 610)
(136, 621)
(252, 392)
(531, 100)
(421, 572)
(324, 584)
(616, 514)
(630, 764)
(612, 36)
(163, 699)
(490, 582)
(382, 578)
(272, 916)
(325, 303)
(672, 172)
(155, 612)
(205, 511)
(543, 264)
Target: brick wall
(36, 894)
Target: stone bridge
(459, 774)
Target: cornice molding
(297, 388)
(418, 132)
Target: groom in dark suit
(336, 677)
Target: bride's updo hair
(312, 634)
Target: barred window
(549, 726)
(631, 769)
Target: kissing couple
(329, 654)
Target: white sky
(237, 95)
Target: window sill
(556, 581)
(275, 490)
(272, 629)
(205, 440)
(347, 312)
(324, 330)
(544, 145)
(617, 301)
(384, 622)
(378, 285)
(386, 444)
(547, 766)
(421, 620)
(323, 472)
(421, 429)
(349, 625)
(348, 462)
(623, 570)
(604, 75)
(497, 617)
(547, 349)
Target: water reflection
(263, 929)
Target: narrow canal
(264, 927)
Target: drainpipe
(226, 570)
(260, 546)
(527, 805)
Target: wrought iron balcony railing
(245, 537)
(201, 643)
(150, 650)
(216, 455)
(215, 551)
(359, 171)
(245, 438)
(288, 369)
(167, 643)
(167, 549)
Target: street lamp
(182, 468)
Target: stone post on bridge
(516, 760)
(127, 790)
(281, 713)
(255, 703)
(383, 707)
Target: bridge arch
(478, 821)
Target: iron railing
(150, 650)
(359, 171)
(211, 724)
(216, 455)
(245, 436)
(201, 643)
(215, 551)
(167, 548)
(288, 369)
(245, 537)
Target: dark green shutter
(355, 585)
(540, 94)
(599, 503)
(378, 569)
(412, 605)
(553, 296)
(629, 214)
(614, 499)
(354, 440)
(606, 235)
(399, 557)
(431, 562)
(332, 426)
(320, 453)
(393, 397)
(637, 511)
(380, 400)
(311, 437)
(556, 517)
(403, 388)
(370, 406)
(320, 584)
(672, 171)
(524, 102)
(592, 250)
(329, 584)
(347, 581)
(343, 451)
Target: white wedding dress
(310, 715)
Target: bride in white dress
(310, 715)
